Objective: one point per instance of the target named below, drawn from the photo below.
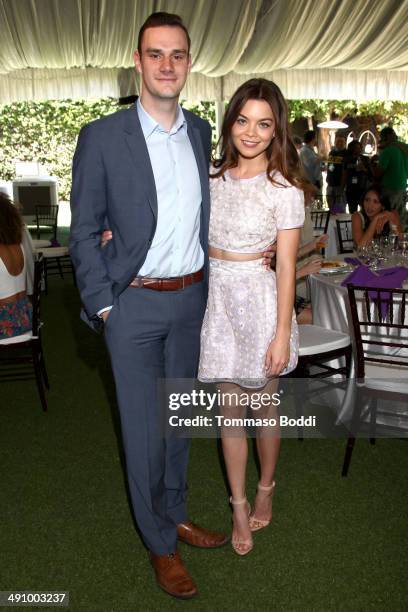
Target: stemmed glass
(377, 251)
(364, 254)
(371, 254)
(403, 244)
(390, 247)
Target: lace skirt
(239, 324)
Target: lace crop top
(246, 214)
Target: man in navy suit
(144, 173)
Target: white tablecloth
(331, 308)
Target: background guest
(311, 160)
(15, 308)
(298, 142)
(336, 198)
(375, 218)
(356, 174)
(306, 267)
(392, 170)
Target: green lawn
(335, 544)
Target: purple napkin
(389, 278)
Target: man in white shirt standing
(144, 172)
(311, 160)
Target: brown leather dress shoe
(172, 576)
(192, 534)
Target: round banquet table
(329, 301)
(330, 307)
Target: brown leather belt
(167, 284)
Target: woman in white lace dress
(249, 335)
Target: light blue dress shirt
(176, 248)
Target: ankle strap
(238, 501)
(262, 488)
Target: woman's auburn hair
(281, 153)
(11, 222)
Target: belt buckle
(183, 283)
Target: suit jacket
(113, 186)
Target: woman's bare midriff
(231, 255)
(13, 298)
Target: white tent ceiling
(312, 48)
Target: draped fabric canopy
(312, 48)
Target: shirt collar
(150, 125)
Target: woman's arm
(397, 222)
(312, 245)
(277, 355)
(361, 237)
(389, 216)
(310, 267)
(375, 227)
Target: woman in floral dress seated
(15, 308)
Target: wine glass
(364, 255)
(403, 244)
(377, 253)
(390, 244)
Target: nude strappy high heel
(240, 546)
(256, 524)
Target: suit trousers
(153, 335)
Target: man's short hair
(386, 133)
(157, 20)
(309, 136)
(342, 136)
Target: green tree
(48, 131)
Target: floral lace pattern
(240, 320)
(15, 318)
(246, 213)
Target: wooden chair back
(345, 235)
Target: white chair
(319, 349)
(41, 244)
(56, 260)
(317, 346)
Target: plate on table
(334, 266)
